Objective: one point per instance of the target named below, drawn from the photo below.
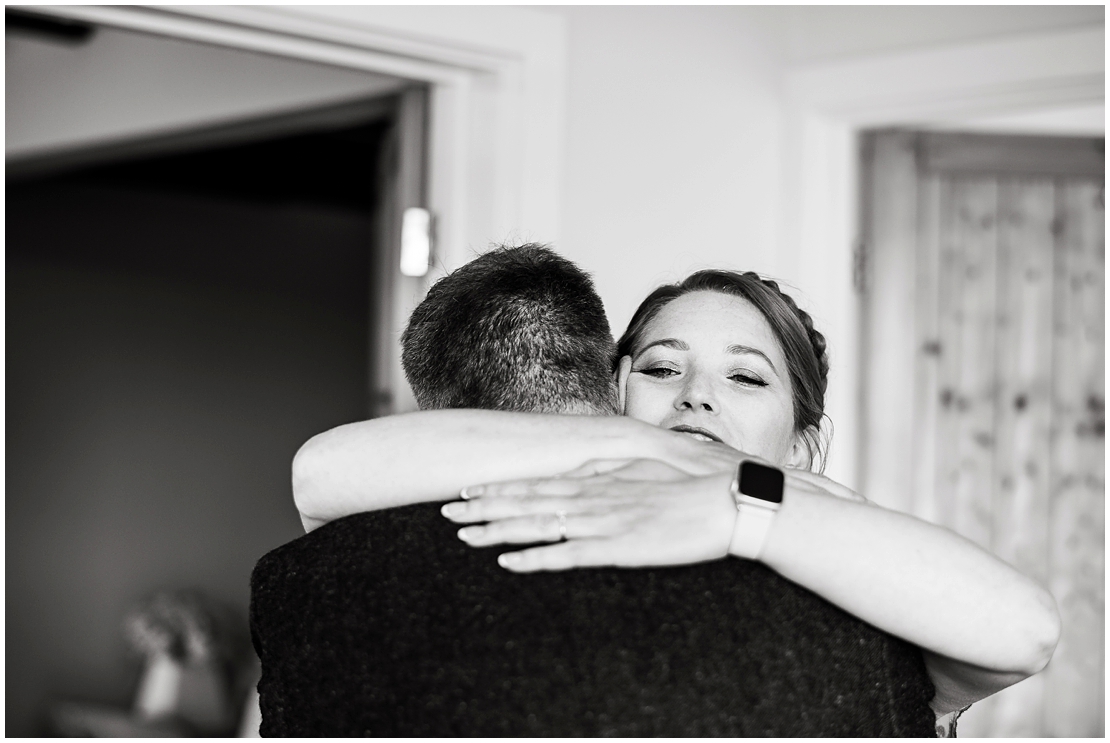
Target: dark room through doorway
(181, 316)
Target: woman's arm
(429, 456)
(982, 624)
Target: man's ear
(623, 370)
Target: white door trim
(828, 104)
(495, 114)
(497, 77)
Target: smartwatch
(757, 491)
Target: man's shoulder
(359, 564)
(350, 540)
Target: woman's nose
(697, 395)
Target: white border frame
(829, 104)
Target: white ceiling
(806, 34)
(121, 85)
(825, 32)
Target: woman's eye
(659, 372)
(748, 379)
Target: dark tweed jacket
(386, 624)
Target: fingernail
(453, 509)
(470, 532)
(509, 558)
(470, 491)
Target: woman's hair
(802, 345)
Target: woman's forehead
(707, 314)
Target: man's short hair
(518, 328)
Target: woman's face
(710, 364)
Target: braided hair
(802, 345)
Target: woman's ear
(803, 450)
(623, 370)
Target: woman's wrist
(636, 439)
(628, 438)
(756, 491)
(693, 456)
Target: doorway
(982, 278)
(183, 313)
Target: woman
(732, 364)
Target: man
(385, 623)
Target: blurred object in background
(44, 28)
(198, 670)
(984, 287)
(193, 651)
(251, 721)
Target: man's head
(515, 329)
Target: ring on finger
(562, 517)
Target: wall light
(416, 241)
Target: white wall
(675, 144)
(120, 85)
(672, 150)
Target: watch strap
(749, 534)
(753, 514)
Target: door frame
(494, 124)
(828, 105)
(496, 78)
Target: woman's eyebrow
(674, 343)
(748, 349)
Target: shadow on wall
(168, 352)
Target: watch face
(760, 481)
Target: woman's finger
(515, 488)
(648, 469)
(550, 527)
(490, 509)
(579, 553)
(597, 467)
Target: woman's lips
(698, 433)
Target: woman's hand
(819, 484)
(693, 456)
(627, 513)
(622, 512)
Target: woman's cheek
(780, 444)
(644, 406)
